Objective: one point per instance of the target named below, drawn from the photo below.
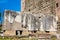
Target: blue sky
(9, 5)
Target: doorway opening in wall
(39, 17)
(33, 31)
(19, 32)
(56, 4)
(4, 30)
(47, 31)
(29, 9)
